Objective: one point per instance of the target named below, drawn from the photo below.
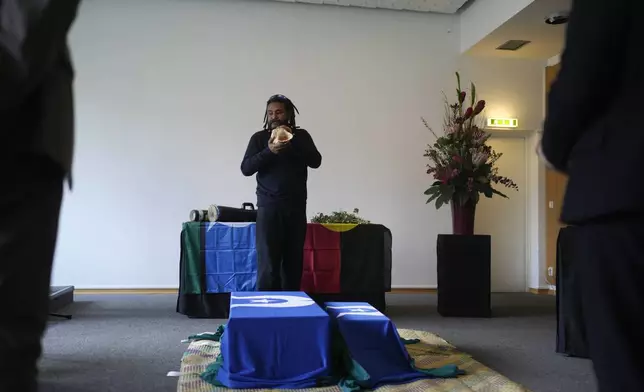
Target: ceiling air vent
(513, 44)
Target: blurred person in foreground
(592, 133)
(36, 143)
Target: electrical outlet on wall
(551, 271)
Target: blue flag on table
(371, 339)
(275, 340)
(230, 257)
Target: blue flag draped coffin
(373, 344)
(275, 340)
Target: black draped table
(342, 262)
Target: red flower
(462, 136)
(461, 96)
(445, 174)
(479, 107)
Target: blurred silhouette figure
(36, 148)
(592, 132)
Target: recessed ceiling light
(557, 18)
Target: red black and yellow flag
(345, 258)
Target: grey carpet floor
(129, 342)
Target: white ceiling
(529, 25)
(438, 6)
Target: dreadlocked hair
(290, 108)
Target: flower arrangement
(339, 217)
(461, 162)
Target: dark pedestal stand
(464, 275)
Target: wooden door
(555, 189)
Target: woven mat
(431, 352)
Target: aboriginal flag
(347, 258)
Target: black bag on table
(217, 213)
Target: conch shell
(281, 135)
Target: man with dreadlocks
(282, 173)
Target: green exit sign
(502, 122)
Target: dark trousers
(280, 235)
(30, 198)
(610, 258)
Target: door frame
(540, 282)
(526, 135)
(535, 231)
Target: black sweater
(281, 178)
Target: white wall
(515, 88)
(169, 91)
(505, 219)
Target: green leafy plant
(340, 217)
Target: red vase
(463, 217)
